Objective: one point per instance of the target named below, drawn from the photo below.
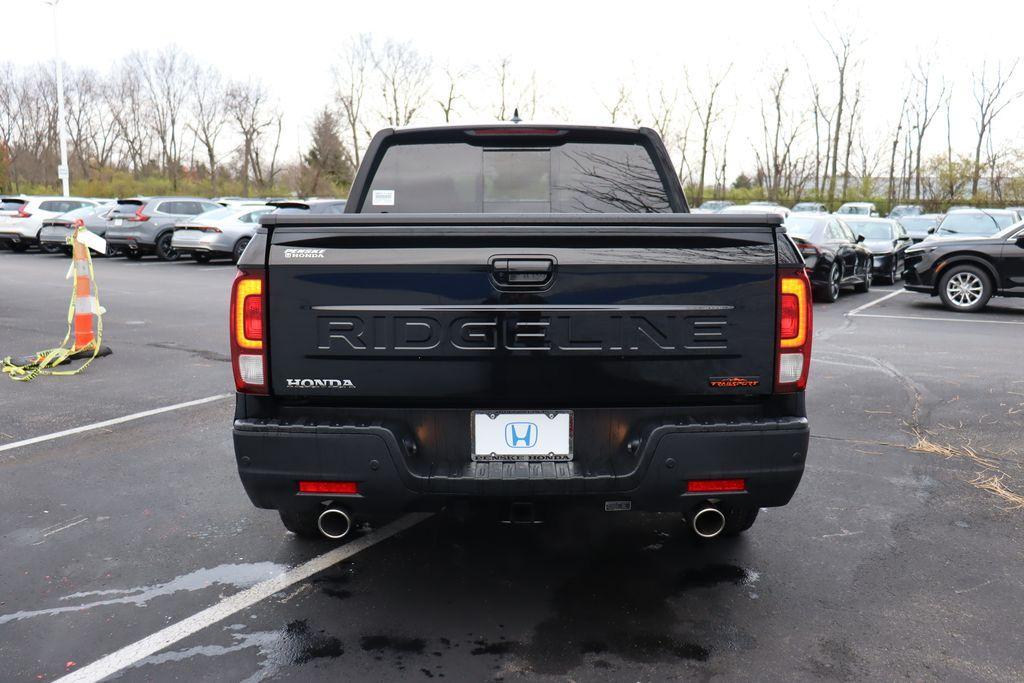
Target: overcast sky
(580, 51)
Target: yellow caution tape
(44, 362)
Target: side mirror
(931, 231)
(860, 238)
(1020, 241)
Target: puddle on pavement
(628, 611)
(236, 575)
(293, 645)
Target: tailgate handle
(522, 272)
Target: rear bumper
(273, 455)
(190, 241)
(133, 240)
(54, 235)
(881, 265)
(9, 236)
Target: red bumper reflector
(342, 487)
(715, 485)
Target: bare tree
(37, 126)
(661, 112)
(778, 136)
(351, 75)
(403, 75)
(529, 97)
(662, 115)
(10, 118)
(454, 78)
(707, 111)
(90, 133)
(926, 105)
(992, 94)
(822, 138)
(616, 107)
(503, 76)
(264, 162)
(209, 115)
(841, 48)
(720, 154)
(900, 121)
(850, 132)
(248, 107)
(128, 105)
(167, 77)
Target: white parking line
(879, 300)
(109, 423)
(857, 312)
(130, 654)
(944, 320)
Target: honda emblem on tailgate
(320, 384)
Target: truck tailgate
(498, 310)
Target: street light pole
(62, 170)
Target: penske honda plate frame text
(521, 435)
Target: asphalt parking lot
(899, 557)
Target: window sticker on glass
(383, 197)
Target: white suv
(22, 217)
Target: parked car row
(900, 211)
(167, 227)
(21, 218)
(964, 256)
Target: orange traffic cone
(86, 304)
(85, 320)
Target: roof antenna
(515, 116)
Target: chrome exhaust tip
(708, 522)
(334, 523)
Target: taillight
(206, 229)
(809, 249)
(248, 350)
(252, 317)
(794, 332)
(22, 213)
(139, 216)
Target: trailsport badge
(733, 382)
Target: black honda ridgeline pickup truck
(525, 317)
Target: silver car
(54, 234)
(221, 233)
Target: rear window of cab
(575, 177)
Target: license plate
(522, 436)
(118, 221)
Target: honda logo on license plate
(521, 434)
